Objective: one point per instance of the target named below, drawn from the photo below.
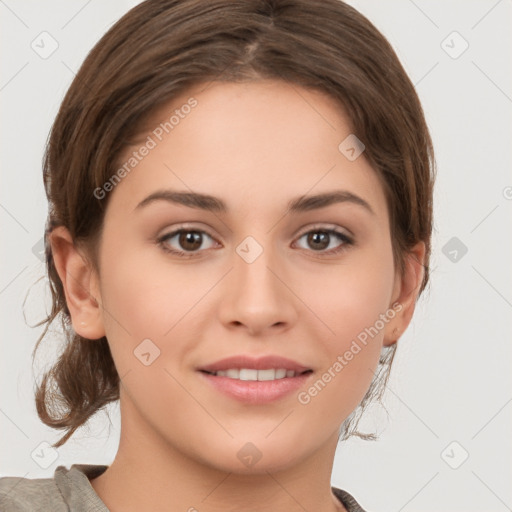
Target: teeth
(248, 374)
(281, 373)
(266, 374)
(251, 374)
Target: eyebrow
(210, 203)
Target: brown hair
(158, 50)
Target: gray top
(70, 490)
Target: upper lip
(255, 363)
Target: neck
(150, 474)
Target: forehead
(255, 144)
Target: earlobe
(76, 274)
(405, 297)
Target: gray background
(449, 395)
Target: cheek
(350, 350)
(349, 298)
(147, 295)
(351, 303)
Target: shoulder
(18, 494)
(68, 487)
(348, 501)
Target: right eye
(189, 239)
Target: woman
(240, 218)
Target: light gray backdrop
(446, 445)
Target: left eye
(321, 238)
(190, 240)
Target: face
(183, 287)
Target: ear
(405, 294)
(81, 285)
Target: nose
(257, 296)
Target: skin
(256, 146)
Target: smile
(249, 374)
(256, 387)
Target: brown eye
(318, 240)
(187, 241)
(190, 240)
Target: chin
(254, 458)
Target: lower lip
(255, 391)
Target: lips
(261, 363)
(243, 378)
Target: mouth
(251, 374)
(256, 380)
(246, 367)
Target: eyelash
(347, 241)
